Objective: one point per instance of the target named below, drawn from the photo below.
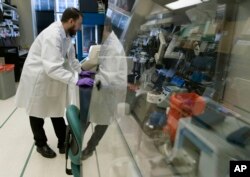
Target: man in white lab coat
(49, 69)
(109, 90)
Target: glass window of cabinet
(187, 99)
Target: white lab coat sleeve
(75, 64)
(53, 61)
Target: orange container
(7, 67)
(183, 105)
(7, 82)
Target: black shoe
(46, 151)
(86, 153)
(62, 150)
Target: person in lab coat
(50, 68)
(109, 89)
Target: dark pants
(85, 97)
(96, 136)
(39, 133)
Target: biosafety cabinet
(94, 13)
(187, 106)
(94, 20)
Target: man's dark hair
(71, 13)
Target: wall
(25, 22)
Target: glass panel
(126, 5)
(91, 35)
(184, 72)
(119, 21)
(112, 77)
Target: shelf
(10, 36)
(157, 23)
(8, 6)
(15, 21)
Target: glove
(86, 73)
(85, 82)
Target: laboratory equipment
(169, 91)
(207, 150)
(139, 66)
(211, 115)
(155, 97)
(183, 105)
(177, 81)
(7, 81)
(240, 137)
(156, 119)
(160, 54)
(170, 49)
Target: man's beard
(72, 32)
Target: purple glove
(85, 82)
(86, 73)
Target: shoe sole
(46, 156)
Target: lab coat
(49, 70)
(112, 75)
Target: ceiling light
(182, 3)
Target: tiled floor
(18, 156)
(7, 107)
(15, 143)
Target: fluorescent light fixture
(182, 3)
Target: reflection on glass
(126, 5)
(187, 105)
(100, 104)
